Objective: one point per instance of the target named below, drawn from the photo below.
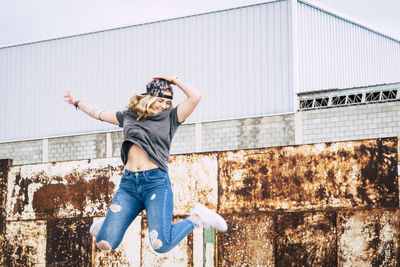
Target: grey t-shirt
(152, 134)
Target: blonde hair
(141, 104)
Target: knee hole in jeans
(104, 245)
(115, 208)
(156, 243)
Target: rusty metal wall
(4, 169)
(330, 204)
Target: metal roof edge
(366, 87)
(139, 24)
(345, 17)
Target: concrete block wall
(333, 204)
(184, 140)
(22, 152)
(200, 137)
(310, 126)
(88, 146)
(351, 122)
(255, 132)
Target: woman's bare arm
(193, 97)
(96, 113)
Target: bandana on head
(156, 86)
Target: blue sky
(24, 21)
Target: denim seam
(163, 222)
(179, 236)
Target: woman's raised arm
(193, 97)
(96, 113)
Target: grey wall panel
(337, 53)
(238, 58)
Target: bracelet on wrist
(173, 79)
(100, 115)
(76, 104)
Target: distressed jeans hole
(115, 208)
(157, 244)
(103, 245)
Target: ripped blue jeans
(150, 190)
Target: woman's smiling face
(162, 103)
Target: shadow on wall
(329, 204)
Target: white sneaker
(95, 228)
(209, 218)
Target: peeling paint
(306, 239)
(128, 252)
(4, 170)
(356, 174)
(370, 238)
(61, 190)
(178, 256)
(246, 238)
(26, 243)
(194, 179)
(333, 204)
(69, 242)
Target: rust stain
(348, 174)
(4, 168)
(61, 195)
(111, 258)
(194, 179)
(249, 241)
(369, 238)
(189, 250)
(51, 198)
(178, 256)
(306, 239)
(26, 244)
(379, 168)
(268, 197)
(127, 254)
(69, 242)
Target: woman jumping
(149, 123)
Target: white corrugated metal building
(247, 61)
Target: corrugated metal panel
(336, 53)
(238, 58)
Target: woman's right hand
(69, 98)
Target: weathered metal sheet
(354, 174)
(62, 190)
(26, 244)
(194, 179)
(128, 252)
(398, 167)
(69, 242)
(246, 237)
(249, 241)
(306, 239)
(369, 238)
(181, 255)
(198, 247)
(4, 169)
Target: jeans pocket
(159, 177)
(124, 180)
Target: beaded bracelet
(173, 79)
(76, 104)
(100, 115)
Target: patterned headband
(157, 86)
